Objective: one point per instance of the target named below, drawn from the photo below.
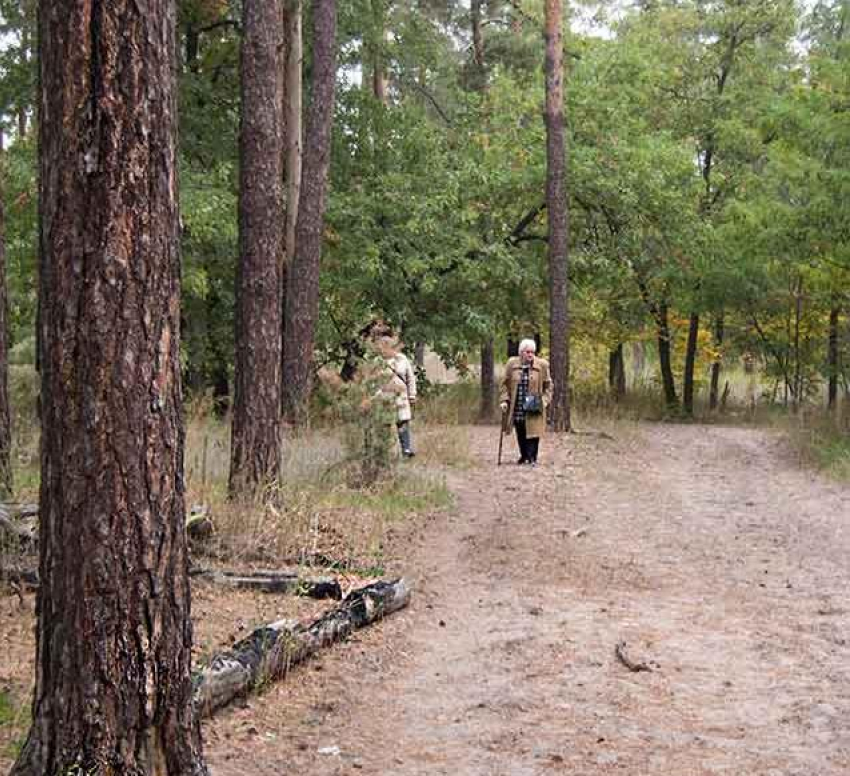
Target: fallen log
(274, 582)
(269, 652)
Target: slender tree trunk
(556, 205)
(25, 55)
(302, 293)
(833, 354)
(488, 380)
(192, 47)
(617, 373)
(256, 441)
(5, 410)
(293, 93)
(717, 364)
(665, 346)
(379, 66)
(113, 692)
(477, 36)
(690, 365)
(797, 389)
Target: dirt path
(722, 566)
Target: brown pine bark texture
(256, 438)
(556, 205)
(113, 691)
(302, 292)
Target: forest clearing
(707, 550)
(424, 386)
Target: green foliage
(368, 416)
(708, 167)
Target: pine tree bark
(293, 93)
(256, 439)
(113, 690)
(302, 292)
(556, 205)
(5, 410)
(690, 365)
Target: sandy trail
(722, 565)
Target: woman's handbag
(532, 404)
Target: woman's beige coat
(539, 382)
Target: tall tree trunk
(293, 93)
(488, 380)
(379, 65)
(302, 292)
(25, 54)
(834, 361)
(797, 389)
(556, 206)
(256, 441)
(714, 391)
(113, 692)
(617, 373)
(664, 357)
(690, 365)
(5, 410)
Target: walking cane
(501, 438)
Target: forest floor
(718, 560)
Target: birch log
(269, 652)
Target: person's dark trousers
(522, 440)
(404, 439)
(531, 445)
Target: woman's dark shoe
(521, 461)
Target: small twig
(620, 652)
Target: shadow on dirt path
(721, 565)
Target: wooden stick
(273, 582)
(620, 652)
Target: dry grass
(314, 514)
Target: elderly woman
(525, 393)
(401, 385)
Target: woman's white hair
(528, 344)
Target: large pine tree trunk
(690, 365)
(256, 441)
(302, 292)
(556, 206)
(5, 410)
(113, 691)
